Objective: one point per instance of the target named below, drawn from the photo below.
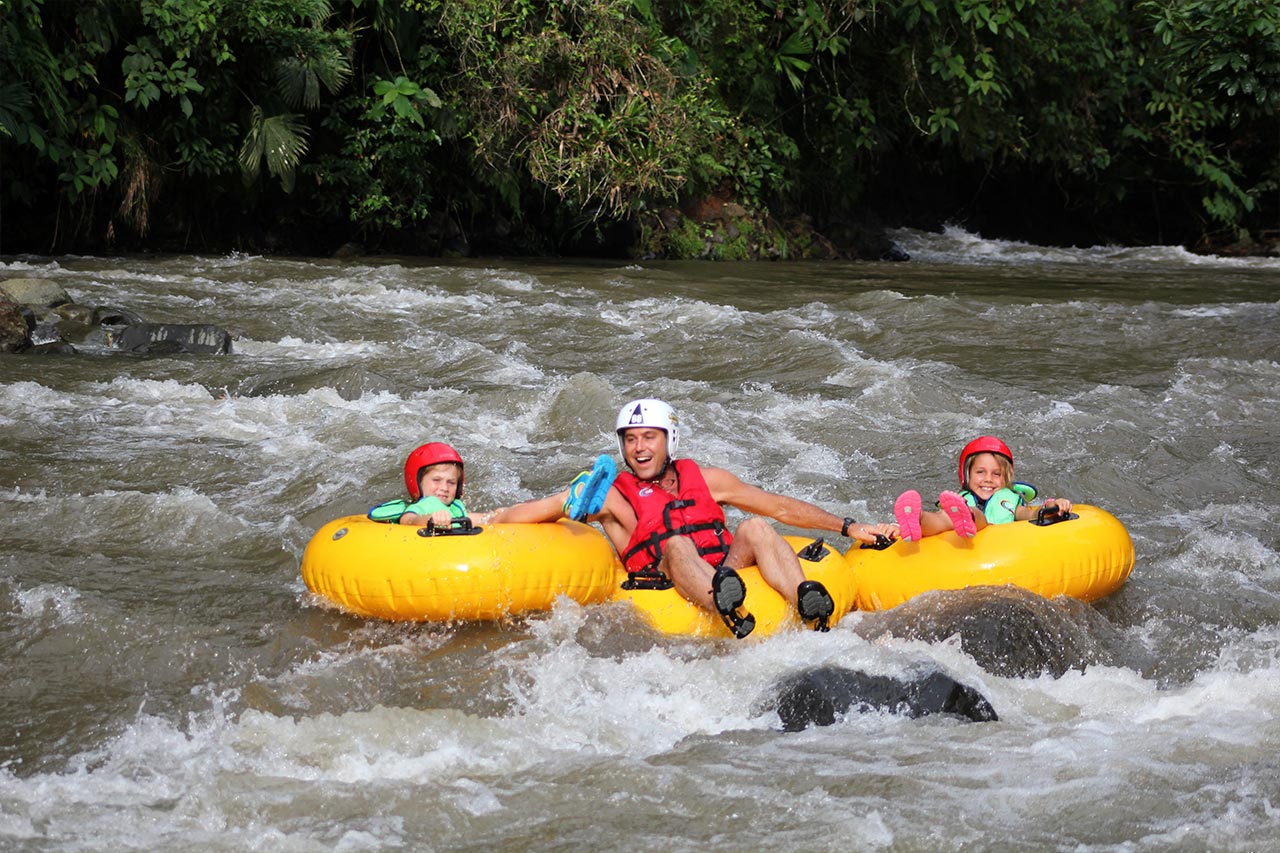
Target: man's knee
(756, 529)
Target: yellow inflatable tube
(671, 613)
(1086, 557)
(394, 572)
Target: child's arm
(1026, 513)
(429, 509)
(440, 518)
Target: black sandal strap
(729, 593)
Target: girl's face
(440, 481)
(986, 475)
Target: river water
(169, 684)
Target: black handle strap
(457, 527)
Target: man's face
(645, 451)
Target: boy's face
(440, 481)
(985, 475)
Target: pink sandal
(906, 511)
(958, 511)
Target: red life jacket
(661, 515)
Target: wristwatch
(844, 528)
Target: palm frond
(300, 77)
(14, 100)
(280, 139)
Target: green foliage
(300, 78)
(384, 169)
(148, 77)
(280, 140)
(391, 175)
(15, 98)
(191, 30)
(114, 95)
(581, 97)
(1216, 95)
(398, 114)
(405, 97)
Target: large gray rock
(171, 338)
(35, 292)
(112, 315)
(1008, 631)
(74, 321)
(36, 316)
(826, 694)
(13, 326)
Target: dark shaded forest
(718, 129)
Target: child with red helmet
(988, 495)
(433, 477)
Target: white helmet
(650, 413)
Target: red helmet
(983, 444)
(432, 453)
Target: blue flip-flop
(588, 489)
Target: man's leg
(720, 591)
(756, 542)
(690, 573)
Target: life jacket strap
(653, 543)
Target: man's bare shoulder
(724, 484)
(616, 507)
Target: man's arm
(616, 517)
(726, 488)
(534, 511)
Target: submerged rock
(350, 383)
(827, 694)
(1007, 630)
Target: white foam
(294, 347)
(37, 602)
(956, 245)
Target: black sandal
(729, 593)
(815, 605)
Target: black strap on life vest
(653, 543)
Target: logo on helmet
(650, 412)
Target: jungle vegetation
(514, 126)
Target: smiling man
(665, 518)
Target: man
(664, 518)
